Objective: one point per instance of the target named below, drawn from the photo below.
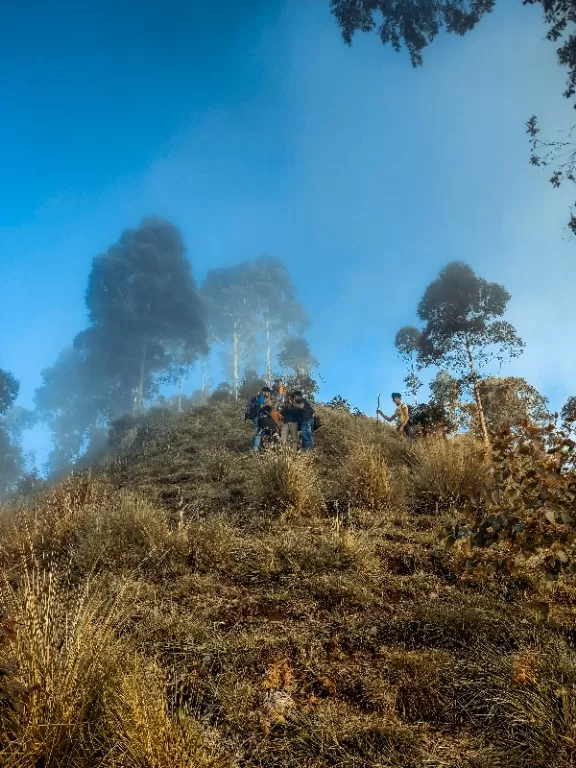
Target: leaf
(550, 516)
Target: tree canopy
(463, 330)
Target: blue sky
(258, 131)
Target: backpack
(317, 422)
(252, 410)
(411, 415)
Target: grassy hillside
(188, 604)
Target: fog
(198, 197)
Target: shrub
(288, 482)
(140, 727)
(366, 477)
(64, 654)
(446, 471)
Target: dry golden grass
(446, 471)
(366, 477)
(62, 648)
(287, 482)
(258, 629)
(141, 730)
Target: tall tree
(446, 393)
(9, 389)
(145, 320)
(76, 401)
(11, 459)
(279, 310)
(298, 362)
(251, 303)
(568, 413)
(231, 311)
(508, 401)
(407, 342)
(463, 330)
(143, 306)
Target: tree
(508, 402)
(446, 393)
(280, 312)
(251, 303)
(568, 413)
(298, 363)
(9, 389)
(76, 402)
(11, 458)
(407, 343)
(416, 23)
(144, 309)
(251, 384)
(145, 320)
(230, 304)
(462, 329)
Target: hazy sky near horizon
(258, 131)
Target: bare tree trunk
(268, 354)
(477, 396)
(236, 363)
(140, 391)
(203, 385)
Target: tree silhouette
(463, 330)
(407, 342)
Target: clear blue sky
(258, 131)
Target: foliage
(12, 423)
(568, 413)
(338, 403)
(407, 342)
(446, 471)
(9, 388)
(446, 393)
(414, 23)
(247, 304)
(145, 319)
(508, 402)
(463, 330)
(163, 611)
(298, 364)
(251, 384)
(525, 511)
(143, 306)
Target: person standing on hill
(291, 419)
(401, 416)
(278, 394)
(306, 420)
(262, 401)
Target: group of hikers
(281, 418)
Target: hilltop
(185, 603)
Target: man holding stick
(401, 415)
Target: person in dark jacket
(306, 419)
(291, 422)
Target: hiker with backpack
(305, 418)
(278, 394)
(264, 417)
(290, 422)
(401, 416)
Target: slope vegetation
(188, 604)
